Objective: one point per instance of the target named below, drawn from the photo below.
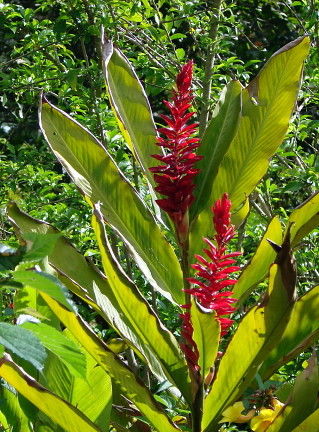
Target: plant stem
(207, 80)
(185, 268)
(197, 409)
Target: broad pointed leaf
(304, 219)
(215, 143)
(44, 282)
(12, 416)
(267, 105)
(91, 395)
(206, 336)
(311, 423)
(131, 106)
(123, 376)
(257, 269)
(257, 333)
(144, 323)
(139, 327)
(95, 173)
(301, 332)
(303, 399)
(61, 412)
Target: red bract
(175, 177)
(211, 285)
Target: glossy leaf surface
(61, 346)
(61, 412)
(138, 325)
(310, 424)
(258, 332)
(215, 143)
(304, 219)
(301, 331)
(91, 395)
(123, 376)
(206, 336)
(95, 173)
(303, 399)
(257, 269)
(150, 332)
(131, 106)
(267, 105)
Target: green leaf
(257, 269)
(61, 412)
(304, 219)
(41, 245)
(142, 320)
(303, 399)
(15, 419)
(267, 105)
(131, 107)
(95, 173)
(310, 424)
(92, 395)
(301, 332)
(87, 282)
(215, 143)
(64, 348)
(45, 283)
(22, 343)
(206, 335)
(119, 372)
(256, 334)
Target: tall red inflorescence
(211, 283)
(175, 177)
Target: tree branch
(207, 80)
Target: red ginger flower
(212, 280)
(175, 177)
(211, 283)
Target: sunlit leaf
(95, 173)
(131, 106)
(123, 376)
(60, 411)
(266, 108)
(257, 269)
(22, 343)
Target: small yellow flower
(265, 417)
(233, 414)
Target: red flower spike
(175, 177)
(212, 281)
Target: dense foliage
(55, 48)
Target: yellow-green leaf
(303, 399)
(311, 424)
(304, 219)
(131, 107)
(268, 102)
(215, 143)
(123, 376)
(95, 173)
(87, 282)
(257, 269)
(257, 333)
(206, 336)
(144, 323)
(60, 411)
(302, 330)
